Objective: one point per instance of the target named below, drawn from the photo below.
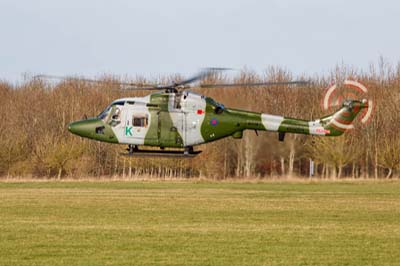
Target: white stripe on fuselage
(186, 119)
(271, 122)
(194, 108)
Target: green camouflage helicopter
(174, 117)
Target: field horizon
(144, 178)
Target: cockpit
(105, 113)
(111, 108)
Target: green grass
(189, 223)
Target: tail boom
(332, 125)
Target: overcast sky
(150, 37)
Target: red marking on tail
(356, 108)
(346, 113)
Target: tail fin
(339, 122)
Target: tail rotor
(338, 96)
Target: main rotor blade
(139, 88)
(203, 74)
(61, 78)
(251, 84)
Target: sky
(155, 37)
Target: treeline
(35, 142)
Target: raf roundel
(214, 122)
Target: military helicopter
(174, 117)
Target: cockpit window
(119, 103)
(115, 116)
(105, 113)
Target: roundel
(214, 122)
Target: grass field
(199, 223)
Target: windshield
(105, 113)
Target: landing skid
(134, 151)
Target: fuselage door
(137, 123)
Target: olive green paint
(168, 133)
(87, 128)
(292, 125)
(229, 122)
(152, 135)
(162, 131)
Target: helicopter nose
(85, 128)
(74, 128)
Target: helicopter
(179, 119)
